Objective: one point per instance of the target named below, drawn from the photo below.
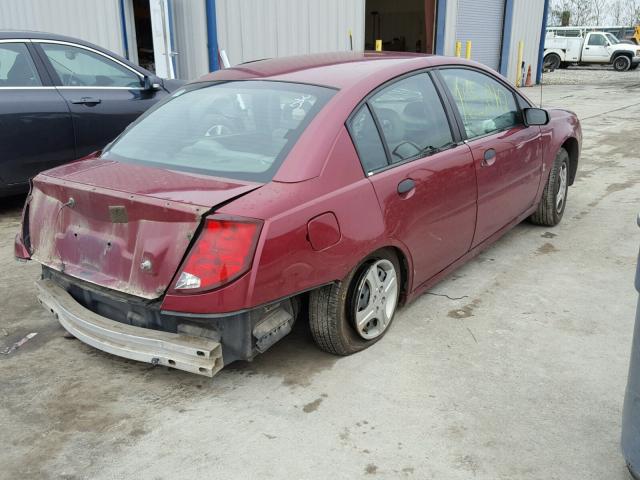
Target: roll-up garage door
(481, 22)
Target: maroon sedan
(344, 183)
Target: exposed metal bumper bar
(199, 355)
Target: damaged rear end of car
(118, 232)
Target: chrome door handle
(489, 158)
(87, 101)
(405, 186)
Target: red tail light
(223, 252)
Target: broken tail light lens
(223, 252)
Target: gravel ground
(595, 75)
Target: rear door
(507, 154)
(103, 95)
(424, 179)
(35, 124)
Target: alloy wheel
(376, 299)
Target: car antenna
(541, 80)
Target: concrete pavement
(513, 368)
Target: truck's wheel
(554, 197)
(551, 61)
(621, 63)
(351, 315)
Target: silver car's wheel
(376, 299)
(353, 314)
(562, 187)
(554, 196)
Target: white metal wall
(190, 27)
(255, 29)
(96, 21)
(527, 22)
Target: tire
(552, 61)
(333, 309)
(621, 63)
(553, 202)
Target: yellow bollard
(458, 48)
(378, 45)
(467, 53)
(519, 64)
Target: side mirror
(149, 84)
(535, 116)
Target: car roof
(336, 69)
(27, 34)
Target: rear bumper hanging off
(198, 355)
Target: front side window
(412, 118)
(16, 66)
(613, 40)
(78, 67)
(240, 130)
(485, 105)
(597, 40)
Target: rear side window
(367, 141)
(412, 118)
(240, 130)
(485, 105)
(16, 66)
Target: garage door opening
(402, 25)
(153, 44)
(144, 34)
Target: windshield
(613, 40)
(240, 130)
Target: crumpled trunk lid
(123, 227)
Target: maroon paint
(508, 183)
(432, 228)
(438, 234)
(323, 231)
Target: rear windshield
(240, 130)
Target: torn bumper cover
(198, 355)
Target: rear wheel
(351, 315)
(552, 61)
(621, 63)
(554, 197)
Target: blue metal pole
(543, 33)
(441, 18)
(123, 26)
(505, 53)
(212, 35)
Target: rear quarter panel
(285, 262)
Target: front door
(506, 153)
(103, 95)
(35, 125)
(424, 181)
(596, 49)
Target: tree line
(595, 12)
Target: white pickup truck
(595, 47)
